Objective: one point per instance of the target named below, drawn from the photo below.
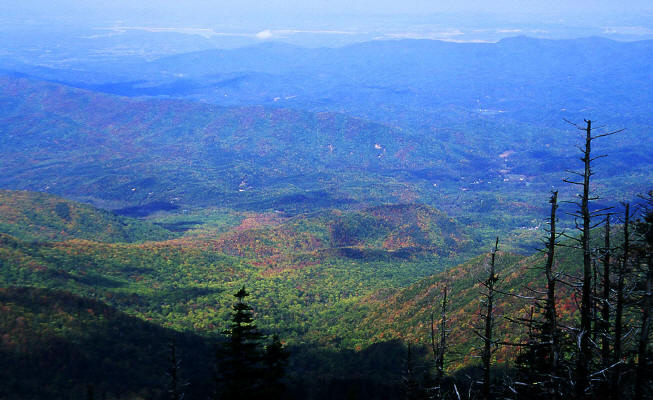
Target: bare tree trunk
(550, 315)
(642, 348)
(439, 349)
(619, 307)
(443, 337)
(582, 382)
(409, 379)
(585, 351)
(605, 306)
(596, 323)
(489, 322)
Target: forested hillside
(143, 156)
(41, 217)
(58, 345)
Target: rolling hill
(123, 152)
(42, 217)
(300, 271)
(339, 307)
(399, 230)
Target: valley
(344, 188)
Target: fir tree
(241, 369)
(248, 370)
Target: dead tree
(550, 316)
(489, 295)
(538, 366)
(584, 214)
(622, 271)
(645, 252)
(409, 380)
(439, 348)
(643, 356)
(550, 331)
(605, 299)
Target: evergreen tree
(241, 367)
(249, 371)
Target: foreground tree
(585, 214)
(549, 328)
(439, 347)
(604, 322)
(249, 372)
(622, 273)
(539, 372)
(487, 314)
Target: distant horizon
(50, 43)
(149, 28)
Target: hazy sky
(188, 11)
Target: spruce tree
(241, 367)
(248, 369)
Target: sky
(189, 11)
